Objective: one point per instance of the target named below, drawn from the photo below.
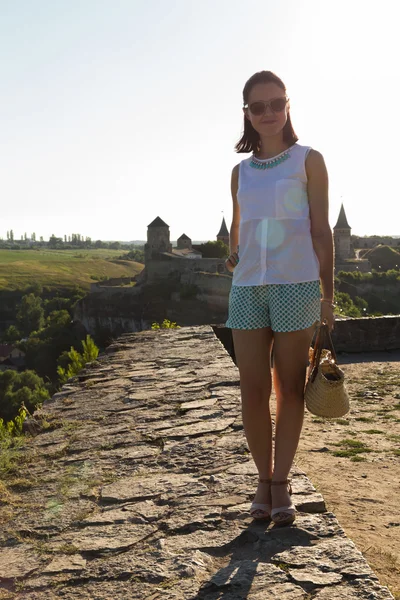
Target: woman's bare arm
(319, 214)
(234, 232)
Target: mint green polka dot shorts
(281, 306)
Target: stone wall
(163, 269)
(371, 242)
(362, 265)
(140, 486)
(370, 334)
(98, 286)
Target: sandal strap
(280, 482)
(264, 480)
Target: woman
(281, 256)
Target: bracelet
(331, 304)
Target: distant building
(11, 358)
(223, 234)
(345, 255)
(162, 261)
(342, 237)
(157, 239)
(159, 246)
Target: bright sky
(113, 112)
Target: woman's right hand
(232, 261)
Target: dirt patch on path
(355, 462)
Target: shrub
(166, 324)
(77, 360)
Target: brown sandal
(283, 515)
(258, 510)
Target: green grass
(351, 449)
(373, 431)
(358, 458)
(342, 421)
(364, 419)
(64, 268)
(10, 455)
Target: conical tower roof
(223, 232)
(158, 223)
(342, 220)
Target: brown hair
(250, 140)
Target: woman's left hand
(327, 314)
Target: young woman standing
(281, 256)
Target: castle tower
(157, 239)
(223, 233)
(184, 242)
(342, 237)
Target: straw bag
(325, 393)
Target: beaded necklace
(274, 162)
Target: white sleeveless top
(275, 244)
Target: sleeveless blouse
(275, 243)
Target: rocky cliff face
(120, 310)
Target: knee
(290, 391)
(255, 392)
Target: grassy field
(64, 268)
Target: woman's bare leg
(253, 352)
(289, 374)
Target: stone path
(140, 488)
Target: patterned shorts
(283, 306)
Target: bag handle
(323, 340)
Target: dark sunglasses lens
(257, 108)
(278, 104)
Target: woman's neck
(271, 146)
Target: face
(270, 122)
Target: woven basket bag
(325, 393)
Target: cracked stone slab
(280, 591)
(198, 540)
(320, 525)
(133, 453)
(311, 503)
(198, 404)
(247, 574)
(139, 512)
(137, 488)
(355, 590)
(338, 555)
(315, 576)
(66, 564)
(202, 518)
(18, 561)
(198, 428)
(104, 539)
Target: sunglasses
(276, 105)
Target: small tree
(77, 360)
(214, 249)
(20, 389)
(11, 335)
(30, 315)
